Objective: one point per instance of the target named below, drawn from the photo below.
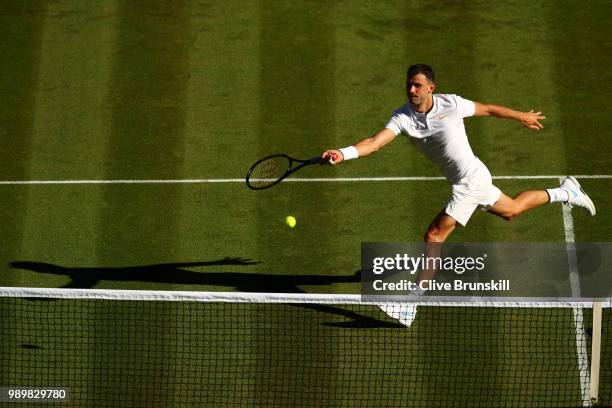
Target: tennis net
(113, 348)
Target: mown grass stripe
(515, 69)
(147, 107)
(73, 75)
(296, 98)
(146, 99)
(21, 27)
(221, 122)
(579, 37)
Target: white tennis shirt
(440, 135)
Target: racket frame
(290, 170)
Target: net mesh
(135, 353)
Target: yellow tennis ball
(291, 221)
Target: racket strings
(268, 171)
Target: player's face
(418, 89)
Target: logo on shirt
(442, 116)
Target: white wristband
(349, 153)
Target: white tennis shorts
(467, 195)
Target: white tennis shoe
(577, 196)
(405, 313)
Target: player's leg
(569, 192)
(509, 208)
(437, 233)
(440, 228)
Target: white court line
(291, 180)
(581, 340)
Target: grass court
(199, 90)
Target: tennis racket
(271, 170)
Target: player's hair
(421, 69)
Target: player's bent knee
(433, 236)
(509, 215)
(517, 210)
(512, 215)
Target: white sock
(557, 194)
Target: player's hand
(332, 157)
(532, 119)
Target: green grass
(201, 89)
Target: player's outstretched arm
(529, 119)
(364, 147)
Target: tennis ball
(291, 221)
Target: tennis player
(434, 124)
